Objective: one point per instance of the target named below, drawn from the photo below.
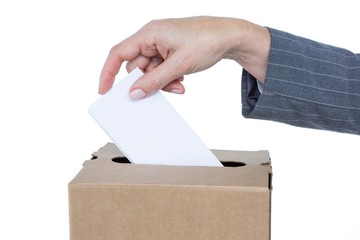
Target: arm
(307, 84)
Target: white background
(51, 54)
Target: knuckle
(154, 23)
(113, 50)
(155, 83)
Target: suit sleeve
(308, 84)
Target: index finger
(126, 50)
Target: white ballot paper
(149, 131)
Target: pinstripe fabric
(308, 84)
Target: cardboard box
(111, 199)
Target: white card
(149, 131)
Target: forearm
(307, 84)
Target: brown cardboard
(110, 200)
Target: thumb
(155, 80)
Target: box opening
(120, 160)
(225, 164)
(233, 164)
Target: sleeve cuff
(251, 92)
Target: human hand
(166, 50)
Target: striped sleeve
(308, 84)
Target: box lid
(110, 167)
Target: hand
(167, 50)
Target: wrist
(250, 46)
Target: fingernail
(177, 91)
(137, 94)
